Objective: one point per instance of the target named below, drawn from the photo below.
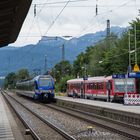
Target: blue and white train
(41, 87)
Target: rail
(32, 132)
(60, 131)
(112, 125)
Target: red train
(107, 88)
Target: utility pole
(136, 67)
(129, 67)
(63, 52)
(96, 10)
(63, 59)
(108, 33)
(45, 66)
(139, 12)
(34, 10)
(135, 44)
(108, 28)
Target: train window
(91, 86)
(36, 86)
(100, 85)
(79, 85)
(88, 86)
(97, 85)
(94, 85)
(120, 85)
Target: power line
(53, 22)
(124, 4)
(60, 2)
(90, 6)
(60, 14)
(36, 14)
(99, 14)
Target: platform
(9, 129)
(103, 104)
(5, 127)
(115, 111)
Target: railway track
(76, 127)
(36, 132)
(126, 130)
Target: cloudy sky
(74, 18)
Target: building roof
(12, 15)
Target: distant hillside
(32, 57)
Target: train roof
(42, 76)
(97, 79)
(35, 78)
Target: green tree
(10, 80)
(61, 70)
(135, 29)
(62, 85)
(81, 64)
(23, 74)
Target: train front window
(120, 85)
(45, 82)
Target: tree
(61, 70)
(23, 74)
(10, 80)
(62, 85)
(81, 63)
(135, 28)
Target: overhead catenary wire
(89, 6)
(60, 2)
(53, 22)
(91, 21)
(119, 6)
(62, 11)
(50, 24)
(100, 14)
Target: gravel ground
(79, 129)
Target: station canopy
(12, 15)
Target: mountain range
(48, 49)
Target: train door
(138, 86)
(82, 89)
(109, 86)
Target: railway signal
(136, 68)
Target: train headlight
(49, 91)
